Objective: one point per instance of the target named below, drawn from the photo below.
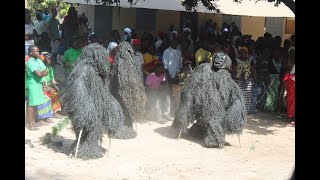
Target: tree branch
(290, 4)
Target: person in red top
(290, 83)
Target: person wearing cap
(244, 74)
(127, 35)
(138, 57)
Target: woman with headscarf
(112, 51)
(244, 73)
(50, 86)
(127, 35)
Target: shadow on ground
(264, 123)
(172, 133)
(58, 144)
(259, 124)
(44, 174)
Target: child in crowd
(157, 93)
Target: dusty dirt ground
(267, 152)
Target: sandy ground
(267, 152)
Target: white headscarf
(111, 46)
(127, 30)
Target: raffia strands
(89, 103)
(126, 84)
(231, 95)
(215, 101)
(194, 96)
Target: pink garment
(154, 81)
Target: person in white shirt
(41, 26)
(138, 57)
(172, 61)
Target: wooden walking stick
(180, 131)
(109, 134)
(179, 134)
(136, 126)
(75, 156)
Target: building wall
(249, 25)
(88, 10)
(165, 18)
(103, 20)
(127, 19)
(286, 36)
(204, 17)
(252, 25)
(232, 18)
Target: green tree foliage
(39, 5)
(190, 5)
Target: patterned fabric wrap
(246, 86)
(44, 110)
(55, 102)
(272, 93)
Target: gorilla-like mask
(222, 61)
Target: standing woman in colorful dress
(50, 86)
(244, 74)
